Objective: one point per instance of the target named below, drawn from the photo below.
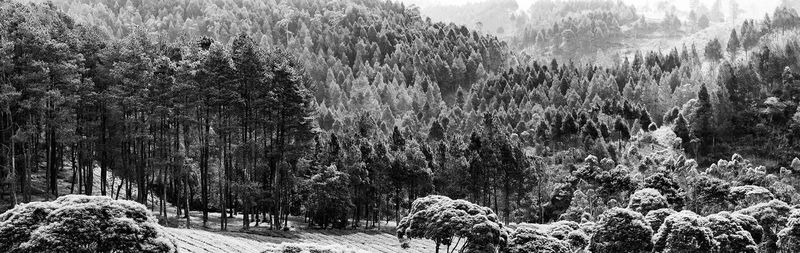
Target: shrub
(621, 230)
(76, 223)
(711, 194)
(656, 217)
(646, 200)
(440, 219)
(578, 239)
(730, 235)
(667, 186)
(684, 232)
(789, 237)
(748, 195)
(531, 240)
(749, 224)
(772, 216)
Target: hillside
(362, 121)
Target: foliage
(664, 182)
(749, 195)
(773, 216)
(730, 235)
(646, 200)
(656, 217)
(531, 240)
(684, 231)
(74, 223)
(441, 219)
(329, 200)
(788, 238)
(713, 50)
(621, 230)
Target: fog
(749, 8)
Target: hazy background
(752, 8)
(642, 28)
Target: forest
(352, 114)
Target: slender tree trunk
(204, 170)
(28, 165)
(222, 192)
(47, 174)
(164, 196)
(103, 153)
(186, 192)
(74, 171)
(13, 160)
(506, 207)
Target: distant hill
(498, 17)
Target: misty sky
(750, 7)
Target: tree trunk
(74, 171)
(28, 164)
(222, 178)
(506, 207)
(13, 161)
(204, 171)
(103, 154)
(186, 192)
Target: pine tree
(398, 141)
(713, 50)
(436, 131)
(681, 129)
(703, 119)
(733, 43)
(645, 120)
(703, 22)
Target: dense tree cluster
(154, 113)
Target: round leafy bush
(730, 235)
(531, 240)
(789, 237)
(748, 195)
(684, 232)
(646, 200)
(76, 223)
(621, 230)
(773, 216)
(441, 219)
(656, 217)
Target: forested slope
(348, 111)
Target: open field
(193, 240)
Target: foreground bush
(730, 234)
(530, 240)
(656, 217)
(621, 230)
(76, 223)
(441, 219)
(568, 232)
(684, 232)
(789, 237)
(773, 216)
(646, 200)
